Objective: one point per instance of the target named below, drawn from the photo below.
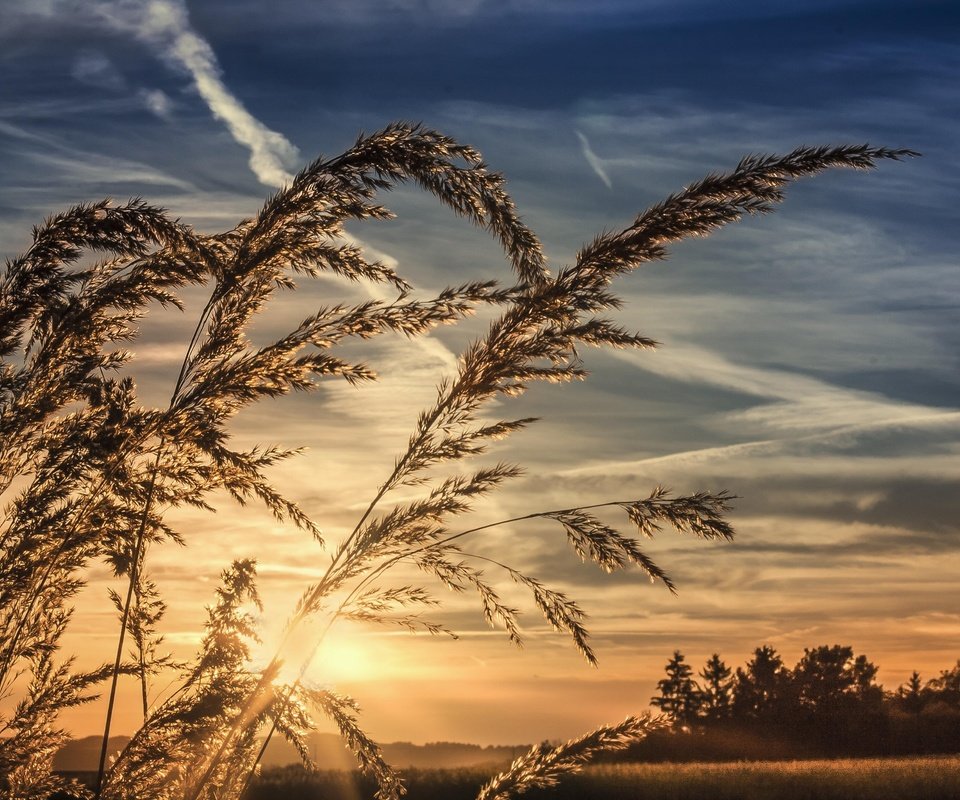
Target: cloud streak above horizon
(165, 25)
(808, 362)
(596, 164)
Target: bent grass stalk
(86, 473)
(723, 200)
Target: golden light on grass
(103, 469)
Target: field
(926, 778)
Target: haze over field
(808, 360)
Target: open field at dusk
(370, 399)
(928, 777)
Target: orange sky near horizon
(482, 689)
(808, 360)
(829, 588)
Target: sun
(319, 656)
(347, 655)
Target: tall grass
(930, 778)
(89, 474)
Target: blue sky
(809, 360)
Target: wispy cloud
(82, 168)
(165, 25)
(796, 403)
(157, 101)
(93, 68)
(801, 453)
(594, 160)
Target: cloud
(157, 101)
(384, 13)
(76, 167)
(93, 68)
(594, 160)
(843, 455)
(825, 288)
(796, 402)
(165, 25)
(105, 171)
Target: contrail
(594, 160)
(165, 25)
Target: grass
(88, 472)
(850, 779)
(926, 777)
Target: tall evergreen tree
(679, 697)
(716, 691)
(761, 691)
(910, 694)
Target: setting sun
(344, 655)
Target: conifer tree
(761, 689)
(716, 689)
(910, 694)
(680, 698)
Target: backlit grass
(926, 778)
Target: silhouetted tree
(910, 694)
(679, 696)
(716, 691)
(938, 725)
(945, 688)
(828, 679)
(866, 688)
(903, 713)
(839, 705)
(761, 690)
(829, 705)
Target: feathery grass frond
(544, 766)
(342, 710)
(89, 473)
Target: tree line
(828, 704)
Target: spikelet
(90, 472)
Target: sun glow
(318, 656)
(347, 655)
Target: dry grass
(88, 473)
(929, 778)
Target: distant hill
(83, 755)
(327, 749)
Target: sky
(808, 360)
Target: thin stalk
(324, 583)
(383, 568)
(385, 487)
(67, 539)
(138, 546)
(446, 540)
(141, 659)
(134, 577)
(65, 542)
(246, 714)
